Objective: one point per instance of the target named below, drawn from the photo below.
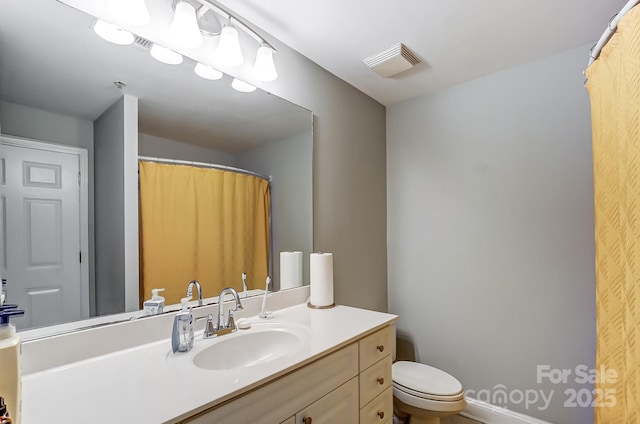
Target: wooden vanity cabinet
(349, 386)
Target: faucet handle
(209, 327)
(231, 322)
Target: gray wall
(349, 177)
(158, 147)
(38, 124)
(287, 163)
(114, 211)
(490, 228)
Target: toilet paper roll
(290, 270)
(321, 280)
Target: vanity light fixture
(264, 68)
(207, 72)
(193, 19)
(184, 29)
(228, 52)
(133, 12)
(242, 86)
(112, 33)
(165, 55)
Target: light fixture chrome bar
(204, 165)
(221, 10)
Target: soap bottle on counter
(182, 334)
(155, 305)
(3, 293)
(10, 382)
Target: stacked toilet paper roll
(290, 270)
(321, 280)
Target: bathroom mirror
(57, 78)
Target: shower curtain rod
(204, 165)
(611, 29)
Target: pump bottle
(10, 382)
(155, 305)
(182, 334)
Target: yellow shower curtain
(201, 224)
(614, 89)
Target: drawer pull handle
(380, 380)
(380, 348)
(306, 420)
(381, 414)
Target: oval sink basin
(249, 348)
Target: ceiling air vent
(142, 43)
(392, 61)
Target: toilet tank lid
(425, 379)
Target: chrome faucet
(198, 287)
(222, 328)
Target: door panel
(42, 234)
(46, 306)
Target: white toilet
(424, 393)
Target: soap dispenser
(182, 334)
(3, 292)
(155, 305)
(10, 349)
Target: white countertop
(149, 384)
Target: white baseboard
(491, 414)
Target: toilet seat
(425, 381)
(426, 387)
(428, 396)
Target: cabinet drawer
(379, 410)
(374, 380)
(376, 346)
(339, 406)
(280, 399)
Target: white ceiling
(458, 40)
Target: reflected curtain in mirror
(202, 224)
(614, 89)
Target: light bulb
(112, 33)
(133, 12)
(264, 68)
(165, 55)
(242, 86)
(184, 29)
(207, 72)
(228, 52)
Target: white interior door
(42, 234)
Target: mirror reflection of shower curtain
(201, 224)
(614, 89)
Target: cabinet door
(291, 420)
(376, 346)
(374, 380)
(379, 410)
(339, 406)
